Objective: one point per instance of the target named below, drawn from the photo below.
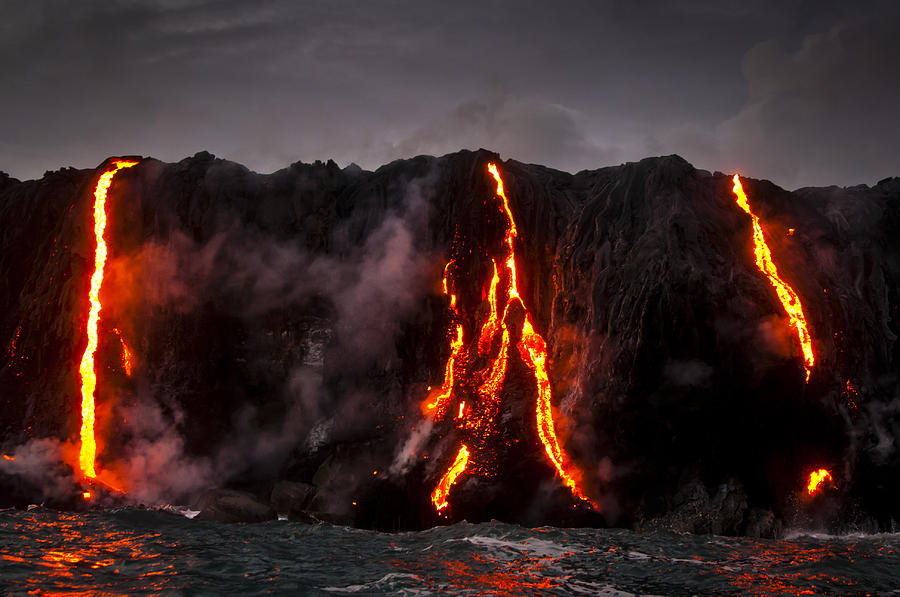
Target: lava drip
(478, 420)
(533, 350)
(789, 299)
(88, 450)
(127, 355)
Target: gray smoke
(370, 286)
(38, 463)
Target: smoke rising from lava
(38, 463)
(375, 274)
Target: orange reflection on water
(786, 569)
(519, 577)
(490, 575)
(510, 569)
(61, 554)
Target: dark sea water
(137, 552)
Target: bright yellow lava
(88, 450)
(533, 351)
(816, 478)
(439, 495)
(789, 299)
(439, 399)
(481, 417)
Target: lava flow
(477, 419)
(127, 356)
(439, 495)
(816, 479)
(439, 399)
(88, 450)
(789, 299)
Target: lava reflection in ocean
(142, 552)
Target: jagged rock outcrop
(282, 322)
(292, 499)
(694, 510)
(233, 506)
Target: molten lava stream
(439, 495)
(87, 369)
(440, 399)
(533, 350)
(490, 326)
(479, 418)
(789, 299)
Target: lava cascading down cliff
(477, 417)
(87, 369)
(789, 299)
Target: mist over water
(140, 552)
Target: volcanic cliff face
(288, 327)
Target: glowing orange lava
(490, 326)
(440, 398)
(789, 299)
(12, 345)
(439, 495)
(127, 356)
(480, 417)
(88, 450)
(442, 395)
(850, 395)
(533, 351)
(816, 479)
(489, 390)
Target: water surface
(137, 552)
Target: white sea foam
(538, 547)
(593, 588)
(387, 579)
(795, 534)
(638, 555)
(181, 510)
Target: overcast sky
(802, 93)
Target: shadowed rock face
(233, 506)
(286, 326)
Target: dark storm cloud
(823, 113)
(796, 92)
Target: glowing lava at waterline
(88, 450)
(816, 479)
(478, 419)
(789, 299)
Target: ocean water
(138, 552)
